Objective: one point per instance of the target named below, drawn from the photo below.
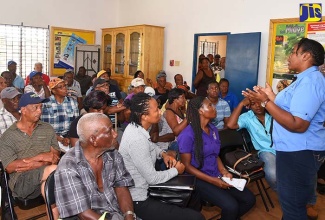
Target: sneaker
(312, 212)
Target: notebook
(183, 182)
(235, 182)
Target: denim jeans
(269, 168)
(296, 175)
(233, 203)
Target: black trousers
(154, 209)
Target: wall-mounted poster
(284, 34)
(62, 47)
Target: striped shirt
(6, 120)
(59, 115)
(223, 111)
(76, 188)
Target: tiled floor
(257, 213)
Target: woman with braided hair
(199, 146)
(140, 153)
(299, 127)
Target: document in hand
(183, 182)
(235, 182)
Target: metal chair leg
(263, 199)
(267, 194)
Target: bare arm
(124, 200)
(46, 90)
(284, 118)
(233, 119)
(198, 78)
(154, 133)
(173, 124)
(79, 100)
(114, 109)
(88, 215)
(166, 137)
(31, 163)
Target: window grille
(208, 47)
(25, 45)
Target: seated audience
(140, 154)
(180, 84)
(203, 77)
(175, 112)
(60, 111)
(155, 85)
(18, 81)
(9, 112)
(226, 95)
(73, 87)
(106, 74)
(38, 67)
(83, 79)
(37, 85)
(258, 124)
(161, 89)
(96, 101)
(199, 147)
(3, 85)
(91, 178)
(9, 80)
(137, 86)
(222, 107)
(29, 150)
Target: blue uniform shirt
(304, 98)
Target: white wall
(85, 14)
(184, 18)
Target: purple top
(130, 96)
(211, 148)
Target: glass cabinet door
(120, 53)
(107, 51)
(135, 53)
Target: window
(208, 47)
(25, 45)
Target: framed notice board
(283, 35)
(62, 47)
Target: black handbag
(176, 191)
(243, 162)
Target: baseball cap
(30, 98)
(34, 73)
(101, 73)
(150, 91)
(9, 93)
(137, 82)
(54, 82)
(99, 81)
(11, 62)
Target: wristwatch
(263, 104)
(130, 213)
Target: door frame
(195, 49)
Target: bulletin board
(62, 47)
(283, 35)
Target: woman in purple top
(199, 146)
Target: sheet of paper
(235, 182)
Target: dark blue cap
(34, 73)
(11, 62)
(30, 98)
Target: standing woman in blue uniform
(299, 127)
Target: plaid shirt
(6, 120)
(59, 115)
(223, 111)
(76, 188)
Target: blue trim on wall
(196, 39)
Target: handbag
(243, 162)
(176, 191)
